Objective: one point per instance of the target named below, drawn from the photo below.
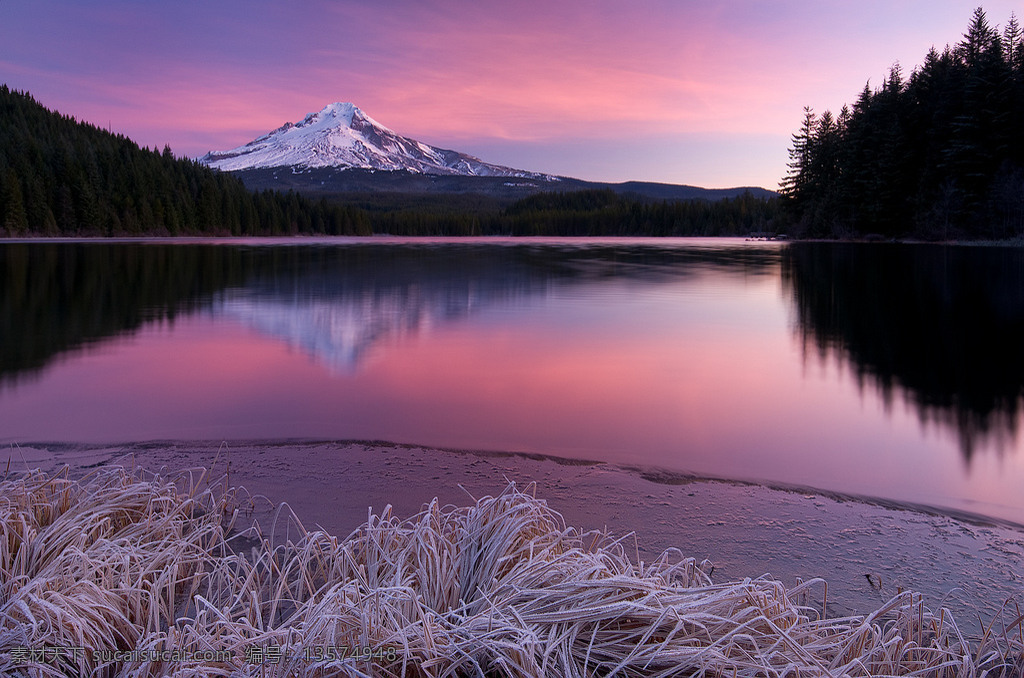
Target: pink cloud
(542, 73)
(205, 76)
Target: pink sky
(679, 91)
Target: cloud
(204, 76)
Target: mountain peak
(341, 135)
(340, 107)
(338, 114)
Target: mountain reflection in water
(336, 304)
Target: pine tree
(1013, 47)
(796, 186)
(15, 219)
(979, 40)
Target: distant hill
(339, 181)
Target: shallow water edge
(867, 550)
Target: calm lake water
(889, 371)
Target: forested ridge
(62, 177)
(604, 212)
(600, 212)
(937, 155)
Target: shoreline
(123, 571)
(653, 474)
(867, 550)
(314, 238)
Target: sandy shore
(866, 551)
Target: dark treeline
(62, 177)
(592, 213)
(937, 155)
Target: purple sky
(703, 92)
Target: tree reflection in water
(942, 326)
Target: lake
(876, 370)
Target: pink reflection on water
(685, 385)
(192, 379)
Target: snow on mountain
(341, 135)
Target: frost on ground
(123, 573)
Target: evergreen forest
(937, 155)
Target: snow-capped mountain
(341, 135)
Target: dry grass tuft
(123, 562)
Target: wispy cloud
(212, 75)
